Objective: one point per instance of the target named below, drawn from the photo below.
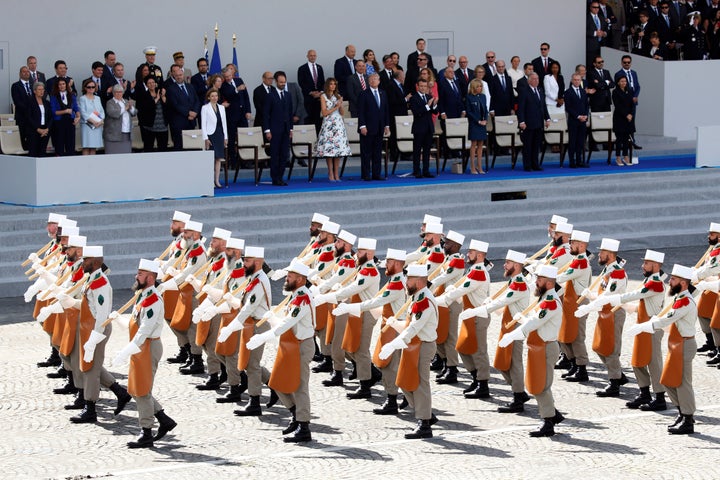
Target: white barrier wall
(105, 178)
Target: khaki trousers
(479, 361)
(684, 396)
(300, 398)
(147, 406)
(421, 398)
(362, 357)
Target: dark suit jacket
(146, 108)
(372, 117)
(412, 60)
(179, 105)
(537, 64)
(575, 106)
(522, 84)
(259, 96)
(450, 102)
(305, 80)
(385, 81)
(422, 117)
(51, 81)
(396, 99)
(461, 79)
(201, 87)
(641, 45)
(501, 101)
(21, 100)
(600, 101)
(40, 78)
(532, 109)
(354, 89)
(342, 71)
(635, 89)
(32, 116)
(623, 107)
(277, 115)
(488, 71)
(239, 101)
(591, 40)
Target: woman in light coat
(214, 130)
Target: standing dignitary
(600, 80)
(595, 32)
(423, 106)
(295, 325)
(259, 95)
(199, 81)
(237, 106)
(513, 299)
(344, 67)
(677, 372)
(144, 352)
(373, 124)
(356, 84)
(154, 70)
(633, 85)
(278, 124)
(576, 106)
(417, 341)
(532, 117)
(183, 105)
(311, 79)
(21, 92)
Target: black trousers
(422, 143)
(370, 155)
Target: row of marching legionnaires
(435, 310)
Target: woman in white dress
(332, 140)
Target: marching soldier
(344, 268)
(452, 269)
(93, 332)
(422, 250)
(316, 223)
(508, 359)
(470, 292)
(255, 301)
(207, 329)
(541, 327)
(175, 255)
(144, 352)
(572, 329)
(417, 341)
(291, 371)
(193, 259)
(647, 349)
(607, 340)
(390, 299)
(433, 257)
(559, 252)
(677, 372)
(709, 302)
(359, 328)
(554, 221)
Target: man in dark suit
(21, 92)
(576, 106)
(641, 35)
(373, 122)
(237, 110)
(611, 25)
(119, 79)
(595, 32)
(183, 105)
(600, 79)
(464, 74)
(356, 84)
(398, 105)
(413, 72)
(107, 72)
(102, 85)
(450, 104)
(312, 82)
(502, 97)
(387, 73)
(199, 80)
(259, 96)
(278, 125)
(532, 117)
(344, 67)
(489, 65)
(423, 105)
(522, 83)
(35, 75)
(419, 50)
(541, 64)
(60, 72)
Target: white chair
(192, 140)
(601, 131)
(7, 120)
(403, 126)
(10, 143)
(456, 133)
(346, 109)
(302, 144)
(556, 134)
(506, 136)
(251, 148)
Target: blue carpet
(502, 171)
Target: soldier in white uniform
(677, 372)
(470, 292)
(513, 299)
(144, 352)
(708, 309)
(422, 250)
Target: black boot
(557, 418)
(223, 374)
(144, 441)
(166, 424)
(375, 375)
(273, 399)
(404, 403)
(641, 399)
(437, 363)
(442, 369)
(623, 379)
(301, 434)
(707, 347)
(685, 426)
(390, 407)
(336, 380)
(677, 420)
(572, 371)
(52, 361)
(473, 384)
(252, 409)
(423, 430)
(326, 366)
(182, 356)
(714, 360)
(579, 376)
(196, 366)
(68, 388)
(612, 390)
(363, 391)
(517, 405)
(353, 373)
(79, 402)
(293, 425)
(188, 361)
(546, 429)
(563, 363)
(59, 373)
(318, 357)
(450, 377)
(656, 405)
(123, 397)
(88, 415)
(213, 383)
(243, 382)
(482, 390)
(233, 395)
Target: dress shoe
(336, 380)
(546, 429)
(423, 430)
(685, 426)
(300, 434)
(390, 407)
(166, 424)
(144, 441)
(428, 175)
(636, 146)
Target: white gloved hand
(194, 282)
(638, 328)
(36, 265)
(707, 285)
(66, 300)
(395, 344)
(341, 309)
(260, 339)
(613, 300)
(315, 291)
(228, 330)
(315, 279)
(530, 267)
(34, 289)
(113, 315)
(47, 276)
(89, 346)
(278, 274)
(583, 311)
(33, 257)
(172, 271)
(232, 300)
(694, 278)
(441, 300)
(510, 337)
(468, 313)
(450, 288)
(167, 286)
(214, 294)
(45, 312)
(123, 355)
(325, 298)
(208, 314)
(222, 308)
(51, 292)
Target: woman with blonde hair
(477, 114)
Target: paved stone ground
(600, 438)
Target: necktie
(667, 20)
(34, 77)
(597, 21)
(362, 82)
(600, 72)
(629, 78)
(204, 77)
(352, 65)
(466, 75)
(577, 92)
(64, 98)
(502, 81)
(422, 95)
(377, 98)
(314, 74)
(545, 64)
(537, 93)
(655, 10)
(282, 95)
(452, 84)
(27, 88)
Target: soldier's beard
(412, 290)
(558, 241)
(713, 241)
(362, 259)
(249, 270)
(339, 251)
(675, 290)
(540, 291)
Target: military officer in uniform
(155, 70)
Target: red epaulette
(681, 302)
(559, 252)
(477, 274)
(301, 299)
(196, 252)
(149, 300)
(100, 282)
(579, 263)
(219, 264)
(77, 276)
(518, 286)
(252, 284)
(420, 306)
(369, 272)
(618, 274)
(715, 252)
(347, 262)
(326, 256)
(395, 285)
(436, 257)
(457, 262)
(548, 305)
(654, 285)
(237, 273)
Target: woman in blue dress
(92, 115)
(477, 115)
